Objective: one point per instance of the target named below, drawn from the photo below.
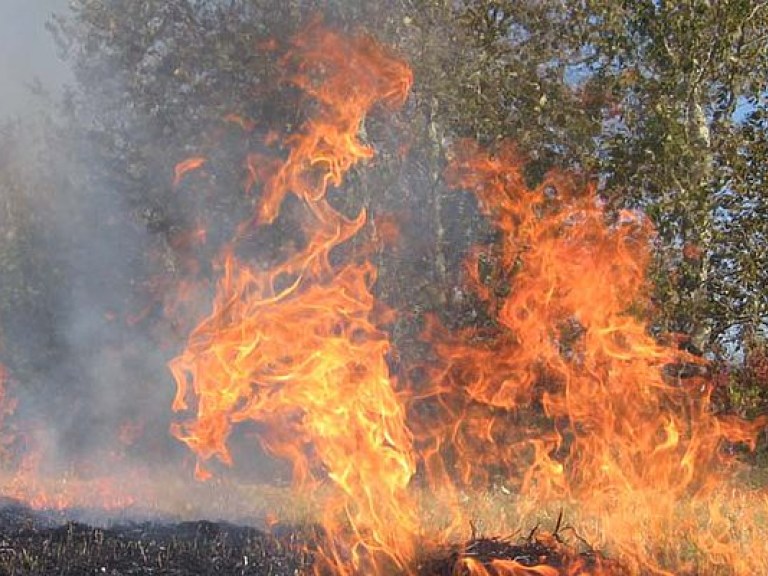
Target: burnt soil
(39, 543)
(42, 543)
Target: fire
(624, 440)
(23, 456)
(569, 339)
(186, 166)
(41, 490)
(294, 348)
(567, 397)
(245, 124)
(564, 399)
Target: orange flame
(246, 124)
(623, 437)
(294, 348)
(566, 395)
(186, 166)
(23, 457)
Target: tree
(673, 121)
(661, 103)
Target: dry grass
(726, 534)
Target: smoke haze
(28, 52)
(86, 383)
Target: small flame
(186, 166)
(245, 124)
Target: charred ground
(40, 543)
(36, 543)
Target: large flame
(625, 438)
(570, 337)
(293, 347)
(564, 395)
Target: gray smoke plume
(70, 256)
(79, 328)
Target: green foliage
(663, 103)
(686, 75)
(747, 382)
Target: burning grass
(564, 395)
(39, 543)
(543, 554)
(563, 540)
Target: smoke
(93, 249)
(91, 382)
(102, 241)
(28, 55)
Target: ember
(538, 555)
